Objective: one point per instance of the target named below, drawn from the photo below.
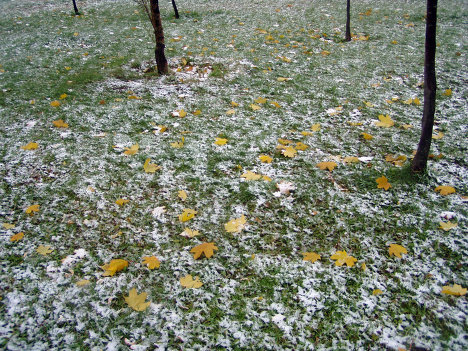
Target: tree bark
(77, 13)
(176, 12)
(419, 163)
(348, 20)
(161, 61)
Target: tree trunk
(420, 159)
(348, 20)
(161, 61)
(176, 12)
(77, 13)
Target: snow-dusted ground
(258, 292)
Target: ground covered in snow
(260, 78)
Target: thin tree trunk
(77, 13)
(348, 20)
(420, 159)
(176, 12)
(161, 61)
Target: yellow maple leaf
(132, 150)
(30, 146)
(44, 250)
(382, 183)
(368, 104)
(151, 261)
(283, 79)
(17, 237)
(187, 215)
(266, 178)
(234, 104)
(447, 226)
(341, 257)
(396, 160)
(189, 233)
(305, 133)
(137, 301)
(8, 226)
(235, 225)
(274, 103)
(121, 202)
(260, 100)
(33, 208)
(367, 136)
(178, 144)
(55, 103)
(354, 124)
(82, 282)
(407, 126)
(311, 256)
(445, 189)
(438, 136)
(351, 159)
(315, 127)
(196, 112)
(301, 146)
(290, 151)
(455, 289)
(220, 141)
(447, 92)
(255, 107)
(377, 292)
(63, 96)
(182, 194)
(396, 250)
(327, 165)
(205, 248)
(114, 266)
(265, 158)
(60, 123)
(150, 167)
(190, 283)
(249, 175)
(416, 101)
(385, 121)
(230, 112)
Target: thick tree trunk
(176, 12)
(420, 159)
(348, 20)
(77, 13)
(161, 61)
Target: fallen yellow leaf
(265, 158)
(445, 189)
(220, 141)
(60, 123)
(150, 167)
(382, 183)
(235, 225)
(182, 194)
(137, 301)
(290, 152)
(30, 146)
(132, 150)
(55, 103)
(327, 165)
(33, 208)
(44, 250)
(190, 283)
(17, 237)
(205, 248)
(187, 215)
(396, 250)
(341, 257)
(151, 261)
(114, 266)
(121, 202)
(447, 226)
(311, 256)
(455, 289)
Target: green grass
(257, 276)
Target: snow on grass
(257, 291)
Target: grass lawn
(259, 96)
